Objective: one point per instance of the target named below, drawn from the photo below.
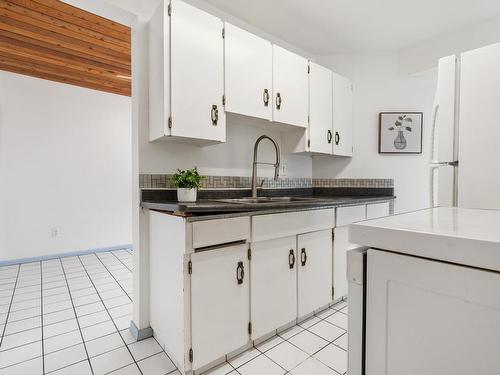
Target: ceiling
(327, 26)
(52, 40)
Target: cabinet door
(273, 285)
(320, 109)
(248, 73)
(340, 247)
(314, 262)
(342, 116)
(220, 303)
(290, 88)
(428, 317)
(197, 76)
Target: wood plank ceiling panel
(52, 40)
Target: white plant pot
(186, 195)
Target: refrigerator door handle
(433, 131)
(433, 201)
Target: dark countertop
(210, 207)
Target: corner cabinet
(186, 74)
(248, 73)
(330, 125)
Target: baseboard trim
(63, 255)
(140, 334)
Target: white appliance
(465, 131)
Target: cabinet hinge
(249, 254)
(169, 9)
(223, 32)
(249, 328)
(190, 267)
(309, 69)
(223, 99)
(308, 119)
(170, 122)
(333, 235)
(308, 143)
(333, 292)
(191, 355)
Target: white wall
(65, 162)
(378, 87)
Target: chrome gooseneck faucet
(255, 163)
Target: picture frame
(400, 132)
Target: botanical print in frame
(400, 132)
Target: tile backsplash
(162, 181)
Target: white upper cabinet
(248, 73)
(342, 116)
(290, 87)
(186, 75)
(320, 109)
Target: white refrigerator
(466, 131)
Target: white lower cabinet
(220, 303)
(273, 284)
(314, 262)
(444, 318)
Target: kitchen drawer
(376, 210)
(266, 227)
(220, 231)
(351, 214)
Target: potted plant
(400, 126)
(187, 183)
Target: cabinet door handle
(291, 258)
(240, 273)
(278, 101)
(266, 97)
(337, 138)
(329, 136)
(303, 256)
(215, 115)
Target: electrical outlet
(54, 232)
(284, 170)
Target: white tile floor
(71, 316)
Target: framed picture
(400, 132)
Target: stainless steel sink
(266, 200)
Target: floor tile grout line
(112, 277)
(10, 306)
(76, 318)
(121, 261)
(41, 318)
(105, 307)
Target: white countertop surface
(457, 235)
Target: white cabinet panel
(219, 303)
(377, 210)
(341, 246)
(180, 86)
(273, 285)
(290, 87)
(248, 73)
(314, 262)
(197, 79)
(220, 231)
(437, 324)
(266, 227)
(320, 109)
(350, 214)
(342, 116)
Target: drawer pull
(240, 273)
(303, 257)
(291, 259)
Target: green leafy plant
(187, 179)
(400, 125)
